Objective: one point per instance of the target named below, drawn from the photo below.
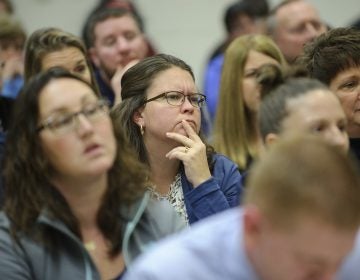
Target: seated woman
(236, 133)
(334, 59)
(299, 105)
(75, 204)
(53, 47)
(47, 48)
(160, 114)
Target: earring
(142, 129)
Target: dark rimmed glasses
(66, 122)
(177, 98)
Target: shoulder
(350, 268)
(197, 250)
(223, 163)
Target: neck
(84, 198)
(162, 169)
(105, 76)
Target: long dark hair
(27, 172)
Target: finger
(178, 152)
(180, 138)
(190, 131)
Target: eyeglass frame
(164, 94)
(48, 122)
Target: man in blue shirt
(240, 18)
(115, 40)
(12, 40)
(298, 221)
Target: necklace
(90, 246)
(175, 196)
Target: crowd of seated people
(111, 168)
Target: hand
(192, 153)
(116, 80)
(11, 67)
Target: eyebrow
(61, 109)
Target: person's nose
(312, 32)
(187, 106)
(122, 44)
(339, 139)
(83, 125)
(329, 274)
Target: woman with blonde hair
(236, 132)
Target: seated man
(240, 18)
(292, 24)
(12, 40)
(298, 221)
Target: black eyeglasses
(66, 122)
(177, 98)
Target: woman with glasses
(160, 114)
(76, 205)
(53, 47)
(334, 59)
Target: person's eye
(317, 25)
(61, 121)
(195, 98)
(298, 29)
(80, 68)
(349, 85)
(342, 126)
(91, 110)
(130, 36)
(251, 73)
(318, 128)
(110, 41)
(174, 96)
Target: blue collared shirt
(212, 249)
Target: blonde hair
(234, 134)
(303, 176)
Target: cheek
(141, 48)
(347, 102)
(86, 75)
(106, 53)
(58, 150)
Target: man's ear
(252, 225)
(94, 57)
(271, 138)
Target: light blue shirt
(350, 269)
(12, 87)
(210, 250)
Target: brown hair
(134, 85)
(331, 53)
(11, 32)
(47, 40)
(28, 174)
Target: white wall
(188, 29)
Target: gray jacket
(149, 221)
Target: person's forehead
(297, 10)
(123, 21)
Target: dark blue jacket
(105, 89)
(222, 191)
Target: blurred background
(188, 29)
